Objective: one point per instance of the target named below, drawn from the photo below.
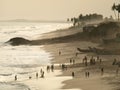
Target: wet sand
(51, 80)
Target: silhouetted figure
(48, 68)
(88, 74)
(59, 52)
(73, 74)
(30, 77)
(52, 68)
(36, 75)
(70, 60)
(90, 61)
(98, 58)
(63, 66)
(114, 62)
(102, 71)
(42, 75)
(15, 77)
(84, 59)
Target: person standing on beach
(30, 77)
(73, 74)
(52, 67)
(88, 74)
(84, 59)
(59, 53)
(48, 68)
(36, 75)
(63, 67)
(42, 75)
(114, 62)
(15, 77)
(98, 58)
(70, 60)
(102, 71)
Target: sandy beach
(74, 70)
(96, 81)
(59, 45)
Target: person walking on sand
(52, 67)
(63, 67)
(36, 75)
(15, 77)
(88, 74)
(48, 68)
(98, 58)
(73, 74)
(114, 62)
(59, 53)
(42, 75)
(30, 77)
(102, 71)
(70, 60)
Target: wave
(6, 74)
(13, 86)
(26, 66)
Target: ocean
(22, 60)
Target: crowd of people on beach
(72, 62)
(94, 60)
(41, 74)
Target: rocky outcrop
(18, 41)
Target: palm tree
(80, 17)
(118, 9)
(114, 8)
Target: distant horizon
(53, 10)
(29, 20)
(38, 20)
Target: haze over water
(22, 60)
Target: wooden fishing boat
(84, 50)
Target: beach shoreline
(62, 46)
(95, 81)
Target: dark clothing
(73, 74)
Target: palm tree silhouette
(114, 9)
(118, 10)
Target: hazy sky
(52, 9)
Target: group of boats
(99, 51)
